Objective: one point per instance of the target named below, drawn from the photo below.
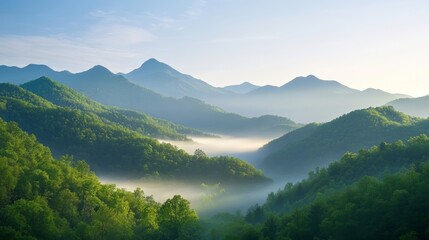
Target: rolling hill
(46, 198)
(111, 148)
(316, 145)
(377, 193)
(103, 86)
(64, 96)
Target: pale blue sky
(366, 43)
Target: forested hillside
(43, 198)
(379, 193)
(101, 85)
(111, 148)
(315, 145)
(64, 96)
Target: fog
(208, 199)
(224, 145)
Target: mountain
(316, 145)
(64, 96)
(412, 106)
(322, 100)
(305, 99)
(161, 78)
(374, 191)
(187, 111)
(307, 84)
(111, 148)
(111, 89)
(46, 198)
(241, 88)
(30, 72)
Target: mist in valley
(207, 199)
(240, 147)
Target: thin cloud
(101, 13)
(101, 44)
(112, 36)
(113, 40)
(197, 8)
(244, 39)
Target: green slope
(379, 193)
(101, 85)
(10, 90)
(111, 148)
(302, 150)
(62, 95)
(43, 198)
(105, 87)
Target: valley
(209, 120)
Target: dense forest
(379, 193)
(64, 96)
(44, 198)
(113, 148)
(316, 145)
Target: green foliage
(113, 148)
(177, 220)
(64, 96)
(393, 208)
(379, 161)
(43, 198)
(379, 193)
(302, 150)
(12, 91)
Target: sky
(380, 44)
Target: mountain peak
(151, 61)
(308, 78)
(312, 82)
(43, 79)
(242, 88)
(153, 65)
(99, 68)
(40, 83)
(34, 67)
(247, 84)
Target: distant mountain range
(163, 79)
(304, 99)
(413, 106)
(316, 145)
(108, 88)
(241, 88)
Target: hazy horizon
(265, 43)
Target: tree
(177, 220)
(199, 154)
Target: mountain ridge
(105, 87)
(316, 145)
